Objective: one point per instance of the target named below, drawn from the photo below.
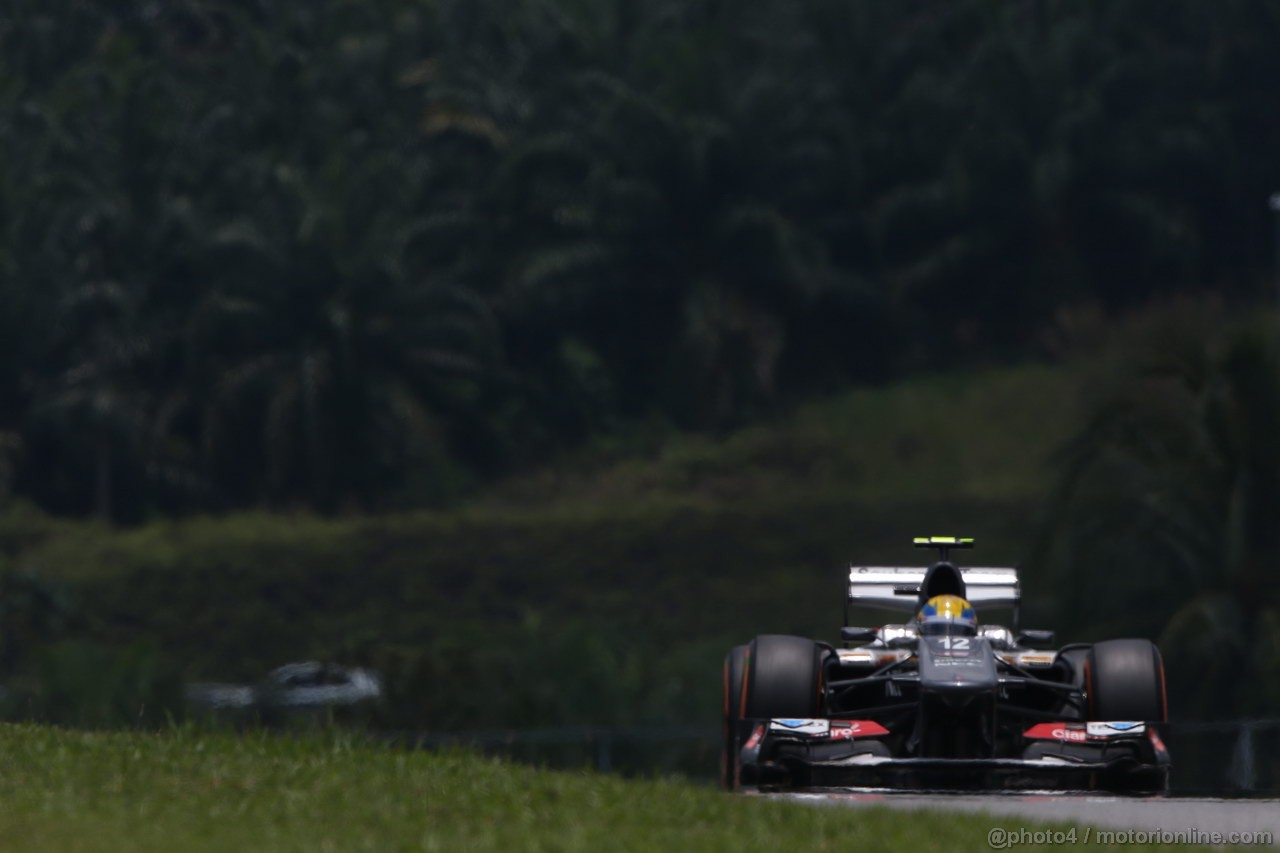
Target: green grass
(192, 791)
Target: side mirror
(904, 642)
(858, 635)
(1035, 639)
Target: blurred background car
(304, 686)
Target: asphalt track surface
(1170, 814)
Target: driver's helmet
(947, 614)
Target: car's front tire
(783, 678)
(1125, 681)
(734, 671)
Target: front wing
(824, 753)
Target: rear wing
(894, 588)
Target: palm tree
(330, 335)
(659, 238)
(1164, 524)
(97, 229)
(97, 397)
(323, 358)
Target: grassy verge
(192, 791)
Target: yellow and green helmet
(947, 614)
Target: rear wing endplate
(894, 588)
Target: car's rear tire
(783, 678)
(1125, 681)
(735, 665)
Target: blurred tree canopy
(360, 254)
(1165, 522)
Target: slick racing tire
(1125, 681)
(1075, 659)
(783, 678)
(735, 664)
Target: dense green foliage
(345, 253)
(1168, 501)
(606, 593)
(603, 596)
(86, 792)
(353, 255)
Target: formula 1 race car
(941, 702)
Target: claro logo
(849, 729)
(848, 732)
(1056, 731)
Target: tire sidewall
(733, 674)
(783, 678)
(1125, 681)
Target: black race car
(903, 706)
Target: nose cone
(956, 665)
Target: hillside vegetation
(378, 255)
(598, 591)
(1137, 489)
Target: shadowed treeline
(365, 258)
(1164, 519)
(368, 254)
(609, 599)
